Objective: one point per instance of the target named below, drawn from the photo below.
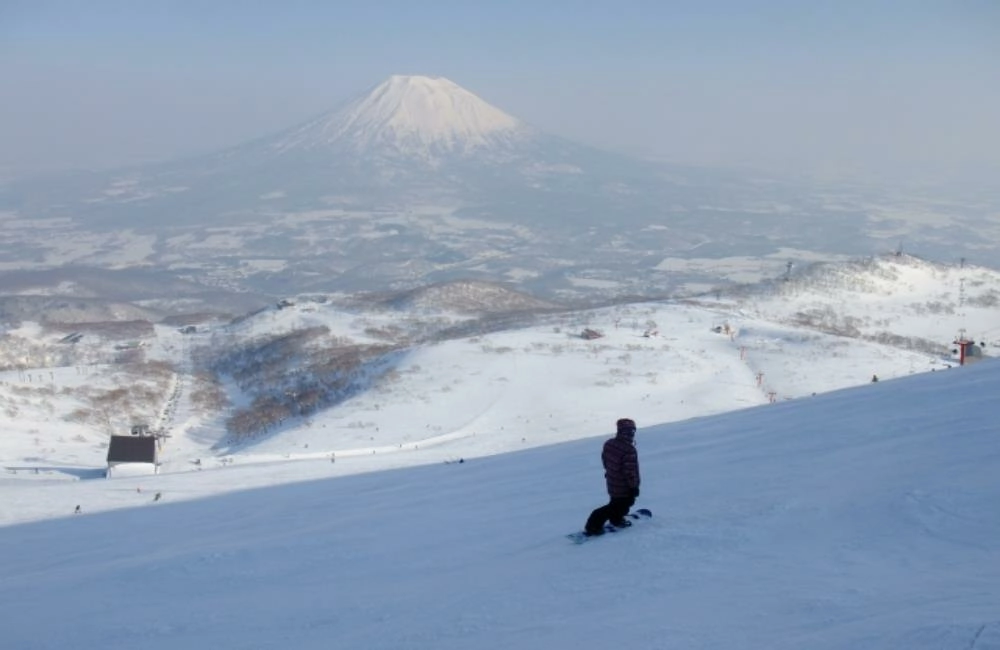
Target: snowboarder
(621, 471)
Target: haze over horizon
(887, 90)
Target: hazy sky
(868, 86)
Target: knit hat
(626, 426)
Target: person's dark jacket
(621, 465)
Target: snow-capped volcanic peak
(411, 115)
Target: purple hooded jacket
(621, 462)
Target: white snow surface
(864, 518)
(431, 512)
(410, 114)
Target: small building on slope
(135, 454)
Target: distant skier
(874, 378)
(621, 471)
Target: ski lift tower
(965, 346)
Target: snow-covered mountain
(419, 181)
(410, 116)
(417, 137)
(882, 298)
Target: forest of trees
(296, 374)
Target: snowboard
(641, 514)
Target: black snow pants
(615, 511)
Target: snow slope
(846, 514)
(903, 296)
(468, 397)
(864, 518)
(485, 392)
